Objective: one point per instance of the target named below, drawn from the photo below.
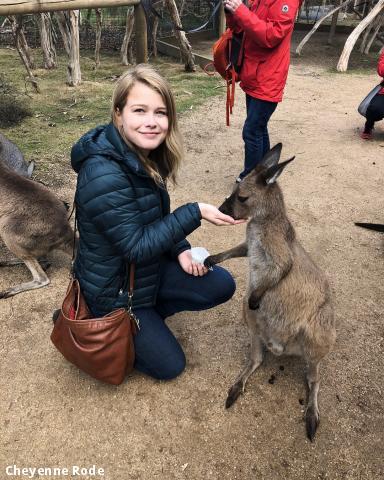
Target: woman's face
(144, 118)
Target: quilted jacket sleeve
(179, 248)
(113, 205)
(268, 33)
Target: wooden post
(73, 68)
(14, 7)
(99, 21)
(141, 35)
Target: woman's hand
(232, 5)
(213, 215)
(189, 266)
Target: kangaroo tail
(378, 227)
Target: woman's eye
(242, 199)
(138, 110)
(162, 113)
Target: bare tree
(22, 48)
(126, 47)
(377, 28)
(46, 39)
(73, 69)
(17, 26)
(68, 23)
(155, 27)
(99, 20)
(62, 22)
(371, 15)
(351, 40)
(317, 25)
(185, 47)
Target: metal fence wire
(193, 13)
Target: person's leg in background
(255, 132)
(157, 351)
(375, 112)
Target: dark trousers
(158, 353)
(375, 112)
(255, 132)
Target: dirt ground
(55, 416)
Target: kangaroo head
(258, 195)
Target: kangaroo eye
(242, 199)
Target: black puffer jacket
(123, 217)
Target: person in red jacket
(375, 110)
(267, 28)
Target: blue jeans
(255, 132)
(157, 351)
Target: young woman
(375, 110)
(123, 217)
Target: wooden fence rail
(22, 7)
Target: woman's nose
(150, 120)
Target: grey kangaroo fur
(288, 306)
(12, 157)
(33, 221)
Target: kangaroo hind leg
(255, 359)
(40, 279)
(312, 416)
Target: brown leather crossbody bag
(102, 347)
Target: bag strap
(130, 269)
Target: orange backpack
(227, 60)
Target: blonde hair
(163, 162)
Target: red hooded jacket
(380, 70)
(268, 26)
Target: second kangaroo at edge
(288, 306)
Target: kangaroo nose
(224, 206)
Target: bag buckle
(130, 311)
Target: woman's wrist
(202, 208)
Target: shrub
(13, 107)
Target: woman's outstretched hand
(189, 266)
(213, 215)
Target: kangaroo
(11, 156)
(288, 306)
(33, 221)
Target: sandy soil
(55, 416)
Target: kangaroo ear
(273, 173)
(272, 157)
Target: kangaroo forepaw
(312, 421)
(5, 294)
(209, 262)
(233, 394)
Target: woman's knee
(375, 112)
(167, 369)
(225, 285)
